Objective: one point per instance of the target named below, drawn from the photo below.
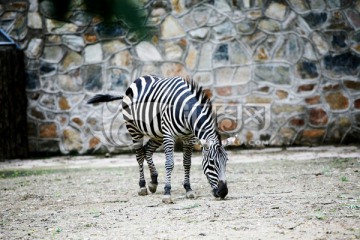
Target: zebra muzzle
(222, 190)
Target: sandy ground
(300, 193)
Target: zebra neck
(201, 121)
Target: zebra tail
(103, 98)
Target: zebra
(165, 109)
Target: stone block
(320, 43)
(71, 82)
(73, 42)
(342, 64)
(205, 58)
(299, 6)
(146, 51)
(287, 108)
(318, 117)
(223, 32)
(282, 94)
(34, 20)
(173, 51)
(90, 37)
(169, 69)
(94, 142)
(118, 78)
(70, 61)
(224, 91)
(352, 85)
(224, 75)
(298, 122)
(313, 100)
(63, 103)
(122, 59)
(269, 26)
(36, 113)
(276, 74)
(287, 134)
(204, 78)
(34, 48)
(93, 53)
(276, 11)
(48, 130)
(77, 121)
(93, 77)
(316, 19)
(357, 103)
(313, 134)
(53, 54)
(73, 141)
(337, 101)
(199, 33)
(170, 28)
(306, 70)
(257, 99)
(306, 88)
(59, 27)
(261, 54)
(331, 87)
(354, 18)
(191, 57)
(289, 48)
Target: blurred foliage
(127, 12)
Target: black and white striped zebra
(164, 109)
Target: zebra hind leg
(140, 156)
(187, 149)
(150, 148)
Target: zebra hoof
(190, 195)
(167, 199)
(143, 191)
(152, 187)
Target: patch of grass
(57, 230)
(26, 172)
(15, 173)
(344, 179)
(352, 206)
(320, 215)
(95, 213)
(88, 225)
(3, 223)
(326, 171)
(35, 172)
(343, 163)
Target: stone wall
(279, 72)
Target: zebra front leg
(188, 149)
(150, 148)
(169, 166)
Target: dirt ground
(300, 193)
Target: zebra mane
(199, 92)
(205, 100)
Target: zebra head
(214, 165)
